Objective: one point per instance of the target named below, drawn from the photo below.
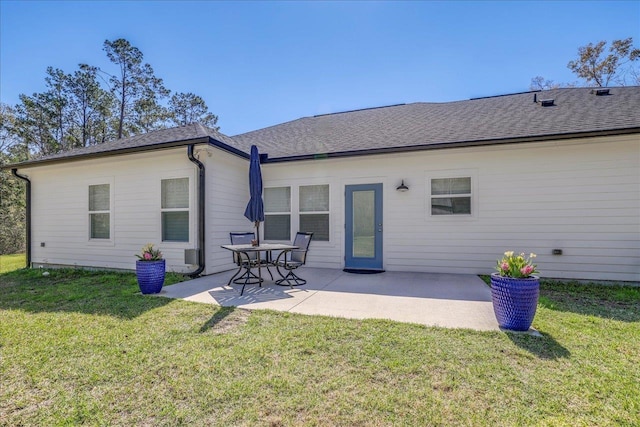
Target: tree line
(88, 106)
(91, 105)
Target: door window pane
(364, 226)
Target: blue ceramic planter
(150, 276)
(515, 301)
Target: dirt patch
(227, 320)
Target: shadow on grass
(615, 302)
(608, 301)
(226, 319)
(543, 347)
(80, 291)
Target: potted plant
(150, 270)
(514, 291)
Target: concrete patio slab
(445, 300)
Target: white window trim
(95, 241)
(328, 212)
(190, 209)
(295, 208)
(290, 212)
(452, 173)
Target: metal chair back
(242, 238)
(302, 241)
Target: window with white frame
(314, 210)
(100, 211)
(451, 196)
(175, 209)
(277, 213)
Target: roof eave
(129, 150)
(460, 144)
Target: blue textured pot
(150, 276)
(515, 301)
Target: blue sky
(257, 64)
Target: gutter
(61, 158)
(447, 145)
(201, 212)
(14, 171)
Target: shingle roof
(511, 118)
(164, 138)
(421, 125)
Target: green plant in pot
(150, 269)
(515, 289)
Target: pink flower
(526, 270)
(504, 266)
(147, 256)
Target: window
(451, 196)
(277, 213)
(100, 211)
(306, 209)
(175, 210)
(314, 210)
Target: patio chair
(248, 259)
(294, 259)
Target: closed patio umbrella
(255, 207)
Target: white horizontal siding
(227, 196)
(60, 210)
(581, 196)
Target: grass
(80, 348)
(12, 262)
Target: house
(435, 187)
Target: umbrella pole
(258, 232)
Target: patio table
(245, 250)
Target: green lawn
(12, 262)
(79, 348)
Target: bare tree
(540, 83)
(595, 66)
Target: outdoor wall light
(402, 188)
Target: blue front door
(363, 227)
